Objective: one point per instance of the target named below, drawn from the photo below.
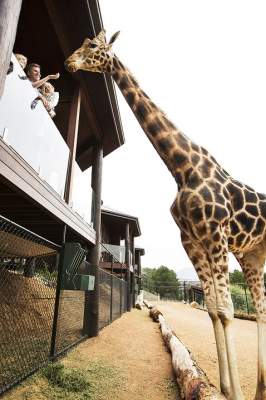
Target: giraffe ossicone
(215, 213)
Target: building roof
(122, 218)
(46, 35)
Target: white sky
(202, 62)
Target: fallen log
(191, 379)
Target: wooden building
(42, 161)
(51, 169)
(119, 254)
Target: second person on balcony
(47, 94)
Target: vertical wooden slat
(72, 137)
(9, 14)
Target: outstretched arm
(43, 80)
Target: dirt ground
(134, 349)
(133, 346)
(194, 328)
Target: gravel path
(194, 328)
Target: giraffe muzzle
(71, 67)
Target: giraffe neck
(172, 146)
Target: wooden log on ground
(192, 381)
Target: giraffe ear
(113, 38)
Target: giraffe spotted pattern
(215, 213)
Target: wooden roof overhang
(118, 222)
(140, 250)
(48, 32)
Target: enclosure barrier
(30, 335)
(190, 291)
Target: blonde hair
(46, 88)
(22, 60)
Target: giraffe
(215, 213)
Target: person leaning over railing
(33, 72)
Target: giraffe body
(215, 213)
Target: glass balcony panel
(82, 193)
(31, 132)
(117, 251)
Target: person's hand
(55, 76)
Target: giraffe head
(94, 55)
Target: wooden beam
(9, 14)
(72, 137)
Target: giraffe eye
(93, 45)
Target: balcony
(31, 132)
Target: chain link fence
(112, 298)
(30, 334)
(28, 275)
(189, 291)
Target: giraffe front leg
(199, 259)
(221, 348)
(252, 264)
(218, 257)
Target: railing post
(59, 262)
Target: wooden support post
(9, 14)
(72, 137)
(127, 260)
(91, 312)
(139, 273)
(133, 275)
(133, 290)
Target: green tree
(161, 280)
(236, 277)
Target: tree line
(162, 281)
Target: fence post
(112, 285)
(185, 292)
(59, 262)
(245, 288)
